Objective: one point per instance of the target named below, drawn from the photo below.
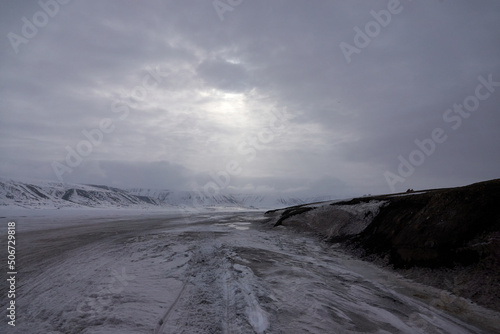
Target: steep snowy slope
(55, 195)
(38, 194)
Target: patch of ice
(237, 226)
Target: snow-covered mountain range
(40, 194)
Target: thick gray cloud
(269, 94)
(223, 75)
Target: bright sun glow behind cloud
(213, 89)
(231, 110)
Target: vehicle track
(162, 322)
(208, 277)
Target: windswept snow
(216, 273)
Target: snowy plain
(142, 271)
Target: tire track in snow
(217, 279)
(163, 320)
(229, 305)
(202, 304)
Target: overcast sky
(316, 97)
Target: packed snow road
(215, 273)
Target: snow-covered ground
(211, 272)
(39, 219)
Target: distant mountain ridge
(38, 194)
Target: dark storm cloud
(217, 82)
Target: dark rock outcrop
(437, 228)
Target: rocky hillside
(58, 195)
(452, 234)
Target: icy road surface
(215, 273)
